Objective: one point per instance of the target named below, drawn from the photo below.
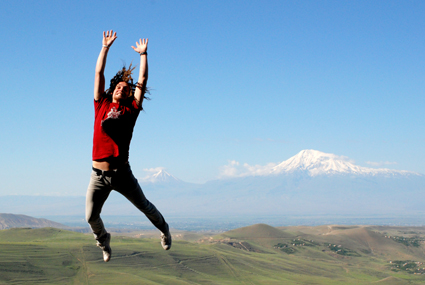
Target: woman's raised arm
(141, 48)
(99, 79)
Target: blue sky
(250, 81)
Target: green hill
(258, 254)
(256, 231)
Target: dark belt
(108, 173)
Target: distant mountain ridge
(309, 161)
(8, 221)
(309, 183)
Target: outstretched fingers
(109, 37)
(141, 46)
(109, 33)
(143, 42)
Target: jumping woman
(116, 112)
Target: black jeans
(123, 181)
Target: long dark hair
(124, 75)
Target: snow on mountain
(311, 162)
(318, 163)
(161, 176)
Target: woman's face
(121, 92)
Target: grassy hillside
(257, 231)
(259, 254)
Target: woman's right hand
(109, 38)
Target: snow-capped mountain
(309, 183)
(319, 163)
(161, 176)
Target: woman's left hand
(142, 46)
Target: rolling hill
(258, 254)
(255, 232)
(8, 221)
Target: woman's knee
(92, 218)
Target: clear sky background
(250, 81)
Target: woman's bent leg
(139, 200)
(130, 188)
(97, 193)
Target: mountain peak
(316, 162)
(159, 176)
(312, 156)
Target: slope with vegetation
(249, 255)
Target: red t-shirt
(113, 129)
